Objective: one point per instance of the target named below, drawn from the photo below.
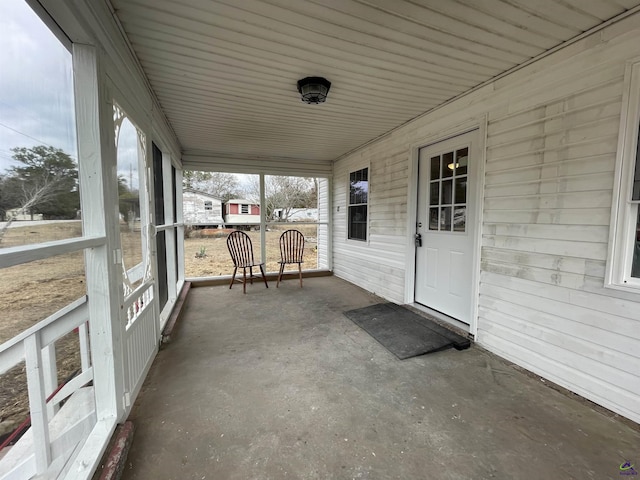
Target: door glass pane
(447, 165)
(447, 192)
(433, 219)
(434, 197)
(445, 219)
(435, 168)
(459, 219)
(461, 190)
(462, 161)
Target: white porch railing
(55, 432)
(140, 336)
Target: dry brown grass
(218, 262)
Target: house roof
(225, 72)
(242, 200)
(199, 192)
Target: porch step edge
(115, 457)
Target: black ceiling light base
(314, 89)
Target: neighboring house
(19, 214)
(201, 209)
(241, 211)
(296, 214)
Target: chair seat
(247, 265)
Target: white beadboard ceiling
(225, 71)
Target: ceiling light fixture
(314, 89)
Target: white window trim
(348, 195)
(623, 210)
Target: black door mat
(403, 332)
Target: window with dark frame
(208, 205)
(358, 204)
(244, 208)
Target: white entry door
(445, 227)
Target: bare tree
(30, 194)
(283, 194)
(44, 181)
(223, 186)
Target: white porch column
(99, 204)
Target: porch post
(263, 223)
(179, 219)
(99, 206)
(170, 233)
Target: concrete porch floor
(278, 384)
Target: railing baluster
(85, 352)
(37, 402)
(50, 375)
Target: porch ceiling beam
(256, 165)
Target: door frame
(478, 123)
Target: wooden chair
(241, 251)
(291, 250)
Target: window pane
(445, 219)
(435, 168)
(295, 203)
(635, 266)
(359, 186)
(459, 219)
(205, 238)
(447, 192)
(447, 165)
(461, 190)
(358, 222)
(462, 161)
(38, 154)
(434, 195)
(433, 219)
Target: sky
(36, 91)
(36, 85)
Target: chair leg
(280, 274)
(251, 275)
(233, 277)
(244, 280)
(264, 277)
(300, 273)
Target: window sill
(624, 287)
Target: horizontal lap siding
(377, 265)
(551, 146)
(547, 201)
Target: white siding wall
(194, 211)
(378, 265)
(551, 144)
